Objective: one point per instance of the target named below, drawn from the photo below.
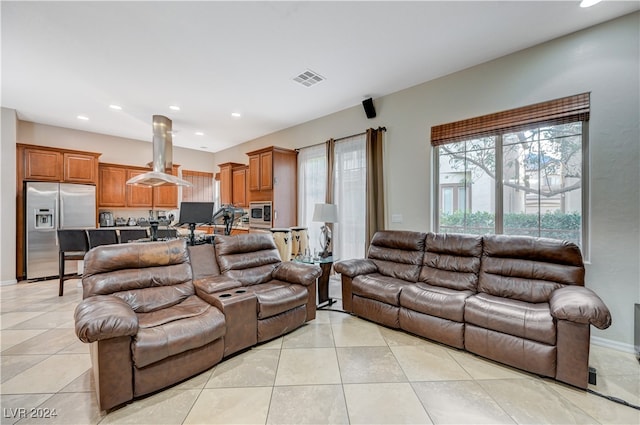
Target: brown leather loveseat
(517, 300)
(158, 313)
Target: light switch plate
(396, 218)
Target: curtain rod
(339, 139)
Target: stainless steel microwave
(260, 214)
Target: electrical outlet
(396, 218)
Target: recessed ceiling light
(174, 108)
(83, 118)
(236, 114)
(116, 107)
(199, 133)
(589, 3)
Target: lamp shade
(325, 213)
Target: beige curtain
(375, 183)
(329, 196)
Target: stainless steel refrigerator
(49, 207)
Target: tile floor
(336, 369)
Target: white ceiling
(64, 59)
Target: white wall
(7, 198)
(603, 60)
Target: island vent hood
(162, 158)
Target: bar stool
(99, 237)
(127, 235)
(73, 245)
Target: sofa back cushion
(398, 254)
(452, 261)
(148, 276)
(249, 258)
(527, 268)
(203, 261)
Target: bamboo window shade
(202, 189)
(559, 111)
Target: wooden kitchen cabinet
(166, 196)
(273, 177)
(40, 164)
(239, 186)
(112, 185)
(138, 196)
(232, 184)
(80, 168)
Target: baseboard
(8, 282)
(615, 345)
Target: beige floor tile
(166, 407)
(317, 404)
(254, 368)
(18, 406)
(15, 337)
(398, 337)
(428, 363)
(50, 375)
(48, 320)
(274, 344)
(48, 342)
(8, 320)
(308, 366)
(322, 318)
(625, 387)
(336, 317)
(317, 336)
(599, 408)
(384, 404)
(15, 365)
(368, 365)
(481, 368)
(82, 384)
(70, 408)
(76, 347)
(231, 406)
(357, 335)
(530, 401)
(197, 382)
(459, 402)
(612, 362)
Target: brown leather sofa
(158, 313)
(517, 300)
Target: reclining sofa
(517, 300)
(158, 313)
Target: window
(517, 172)
(312, 189)
(202, 189)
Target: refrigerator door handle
(57, 220)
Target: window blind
(202, 189)
(553, 112)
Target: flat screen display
(196, 212)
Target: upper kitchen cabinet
(112, 186)
(273, 177)
(233, 184)
(80, 168)
(166, 196)
(41, 163)
(138, 196)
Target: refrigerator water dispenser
(44, 219)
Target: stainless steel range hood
(162, 158)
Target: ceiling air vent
(309, 78)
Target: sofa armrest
(300, 273)
(580, 305)
(355, 267)
(104, 317)
(212, 284)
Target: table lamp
(325, 213)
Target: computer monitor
(193, 213)
(196, 212)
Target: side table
(323, 281)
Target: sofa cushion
(518, 318)
(435, 301)
(249, 258)
(378, 287)
(190, 324)
(397, 254)
(528, 269)
(452, 260)
(276, 297)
